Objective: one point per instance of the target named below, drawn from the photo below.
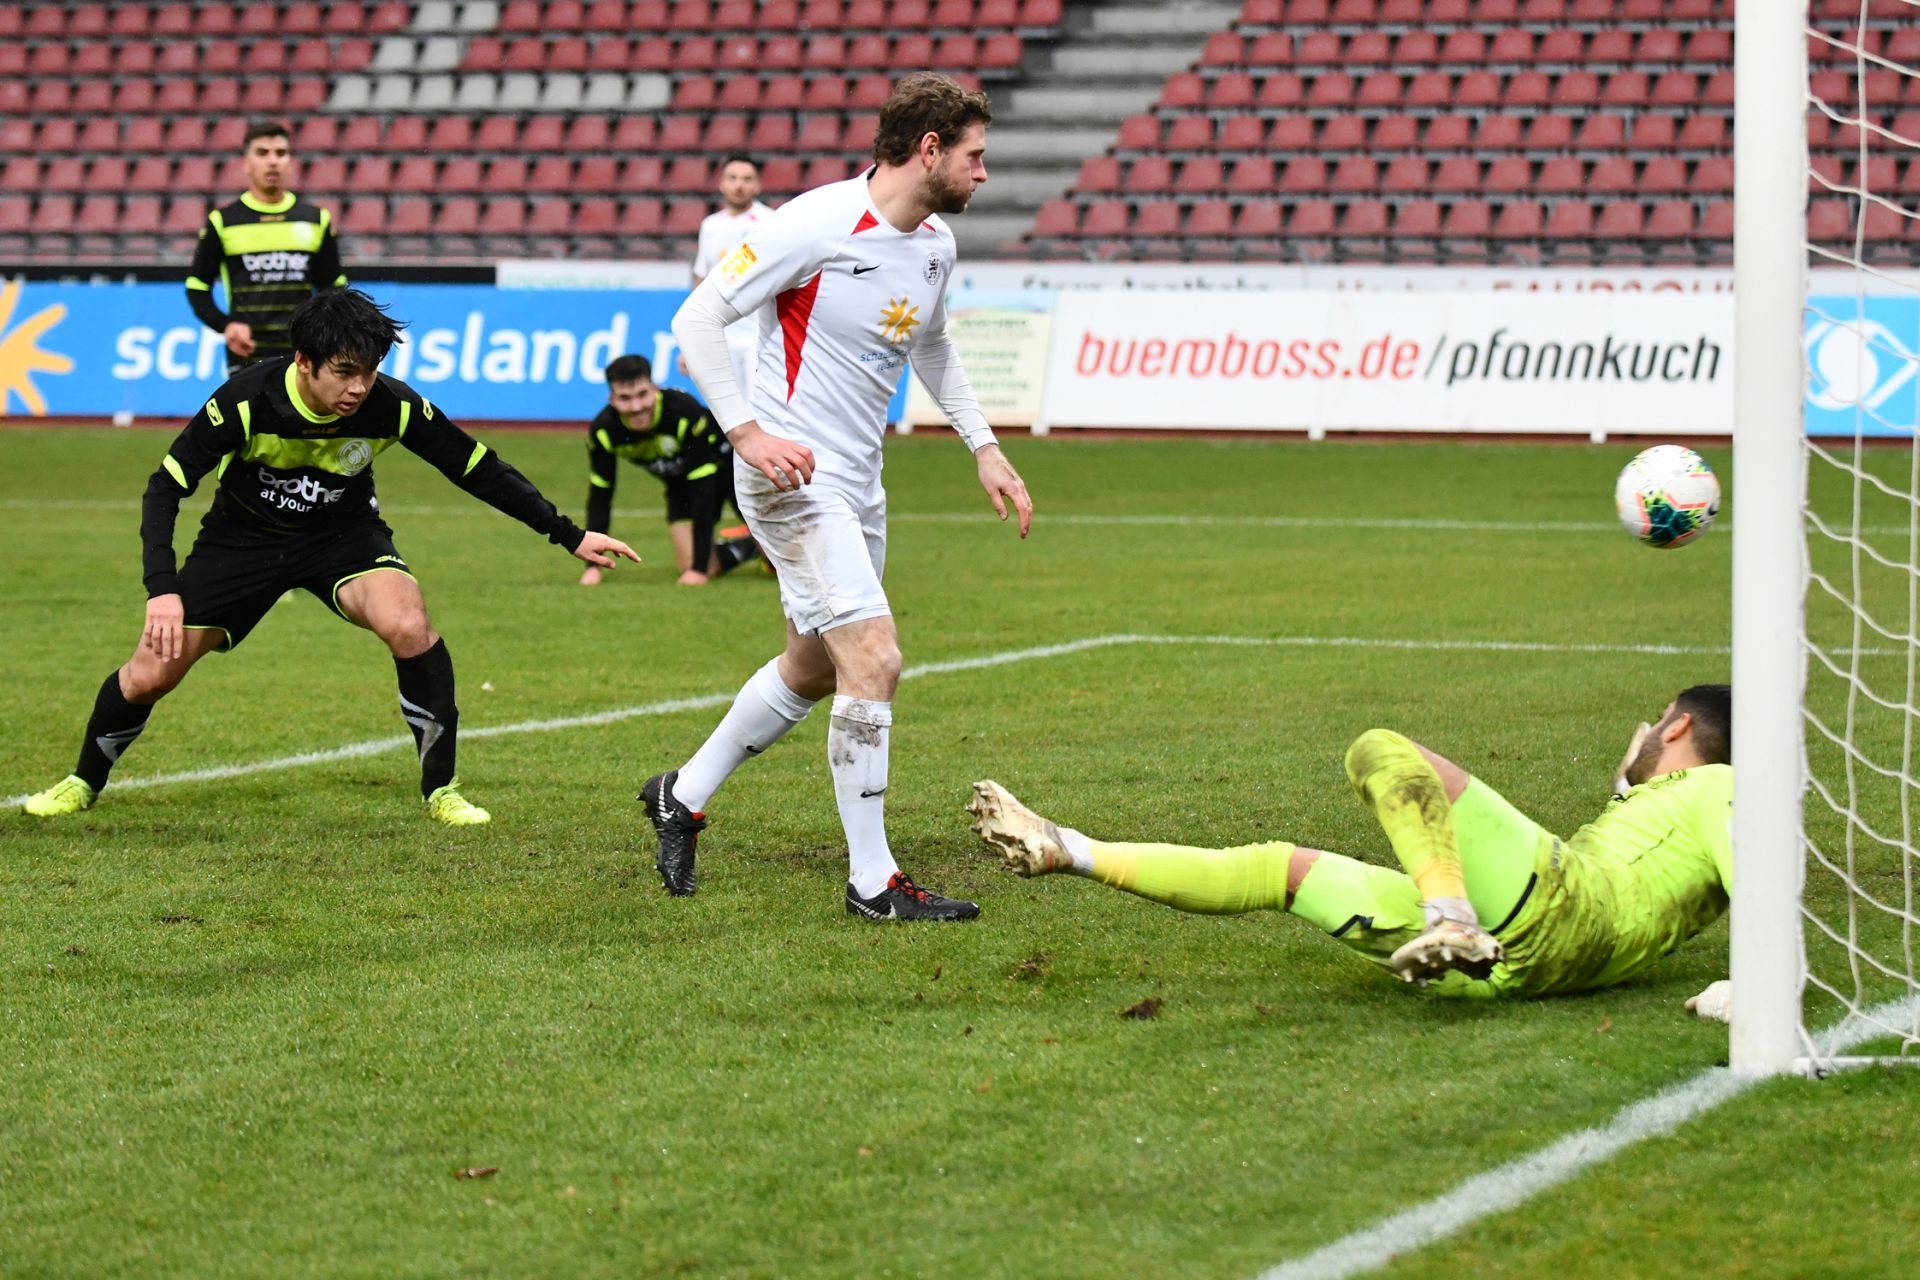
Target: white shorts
(828, 542)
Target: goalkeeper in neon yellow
(1488, 903)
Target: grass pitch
(257, 1024)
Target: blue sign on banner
(1863, 355)
(486, 354)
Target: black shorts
(682, 494)
(234, 573)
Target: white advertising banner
(1003, 341)
(1515, 362)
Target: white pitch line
(1519, 1181)
(355, 750)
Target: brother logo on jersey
(276, 266)
(299, 494)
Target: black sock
(111, 729)
(426, 700)
(735, 552)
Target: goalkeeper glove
(1715, 1002)
(1620, 783)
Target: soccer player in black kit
(270, 249)
(670, 435)
(291, 443)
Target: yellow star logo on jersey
(897, 321)
(21, 356)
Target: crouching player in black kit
(670, 435)
(291, 442)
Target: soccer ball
(1667, 496)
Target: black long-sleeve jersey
(271, 258)
(284, 470)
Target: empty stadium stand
(1483, 130)
(443, 131)
(1289, 130)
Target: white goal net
(1855, 461)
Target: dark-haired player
(269, 249)
(670, 435)
(1490, 903)
(740, 214)
(291, 443)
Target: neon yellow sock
(1389, 773)
(1252, 877)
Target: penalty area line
(377, 746)
(1518, 1181)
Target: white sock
(763, 713)
(857, 754)
(1078, 848)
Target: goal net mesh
(1861, 902)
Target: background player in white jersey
(849, 281)
(739, 214)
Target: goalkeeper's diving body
(1489, 904)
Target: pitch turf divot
(1519, 1181)
(377, 746)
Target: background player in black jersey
(671, 435)
(270, 249)
(293, 441)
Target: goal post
(1766, 963)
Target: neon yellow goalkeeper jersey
(1650, 872)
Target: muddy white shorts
(828, 542)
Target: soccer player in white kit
(740, 214)
(849, 281)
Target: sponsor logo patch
(736, 264)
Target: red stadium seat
(1190, 133)
(1106, 220)
(1612, 174)
(642, 217)
(504, 215)
(1099, 175)
(1620, 220)
(1355, 173)
(1430, 89)
(1223, 49)
(1562, 174)
(1716, 220)
(1570, 220)
(1670, 220)
(1304, 173)
(1241, 133)
(1577, 89)
(1417, 219)
(1379, 89)
(1056, 219)
(1508, 175)
(1282, 89)
(1183, 91)
(1457, 173)
(684, 218)
(1251, 175)
(1258, 219)
(1212, 219)
(1231, 92)
(457, 216)
(1274, 49)
(329, 174)
(1520, 220)
(1150, 174)
(1200, 175)
(1448, 133)
(1664, 174)
(1344, 133)
(1156, 218)
(1702, 132)
(1561, 47)
(1405, 174)
(1312, 218)
(1468, 220)
(1330, 89)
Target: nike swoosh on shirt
(860, 271)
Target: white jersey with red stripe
(843, 299)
